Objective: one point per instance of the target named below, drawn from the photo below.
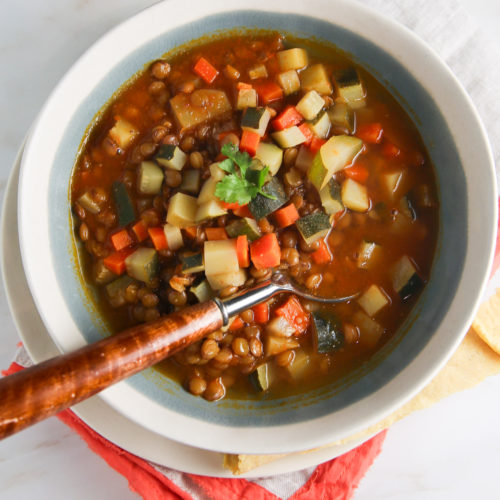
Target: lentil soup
(240, 156)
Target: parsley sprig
(242, 184)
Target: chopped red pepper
(204, 69)
(294, 313)
(287, 118)
(265, 252)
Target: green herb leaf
(242, 184)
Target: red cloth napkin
(336, 479)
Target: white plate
(95, 411)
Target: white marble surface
(450, 451)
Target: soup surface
(247, 154)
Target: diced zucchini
(355, 196)
(207, 192)
(292, 59)
(289, 137)
(220, 281)
(220, 257)
(174, 237)
(320, 126)
(369, 330)
(150, 178)
(338, 152)
(373, 299)
(304, 159)
(279, 327)
(209, 210)
(247, 98)
(216, 172)
(142, 264)
(342, 118)
(349, 87)
(243, 226)
(202, 291)
(289, 81)
(182, 210)
(123, 133)
(260, 377)
(258, 71)
(192, 263)
(171, 156)
(116, 290)
(270, 155)
(256, 120)
(191, 181)
(274, 345)
(316, 78)
(392, 181)
(327, 332)
(405, 278)
(331, 198)
(261, 206)
(88, 203)
(101, 274)
(300, 365)
(199, 106)
(369, 252)
(124, 207)
(314, 226)
(310, 105)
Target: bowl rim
(137, 406)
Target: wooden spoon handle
(43, 390)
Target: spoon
(43, 390)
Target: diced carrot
(265, 252)
(204, 69)
(157, 235)
(316, 144)
(261, 313)
(286, 216)
(242, 85)
(249, 142)
(216, 233)
(322, 255)
(231, 206)
(243, 211)
(371, 133)
(308, 133)
(115, 262)
(242, 250)
(287, 118)
(236, 324)
(268, 91)
(390, 150)
(294, 313)
(191, 232)
(121, 240)
(358, 172)
(140, 230)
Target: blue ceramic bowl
(458, 147)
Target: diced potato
(174, 237)
(310, 105)
(219, 281)
(355, 196)
(369, 252)
(258, 71)
(123, 133)
(402, 272)
(342, 118)
(198, 107)
(209, 210)
(207, 192)
(280, 327)
(289, 81)
(182, 210)
(247, 98)
(270, 155)
(289, 137)
(220, 257)
(88, 203)
(392, 181)
(274, 345)
(292, 59)
(216, 172)
(373, 299)
(370, 331)
(320, 127)
(300, 365)
(316, 78)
